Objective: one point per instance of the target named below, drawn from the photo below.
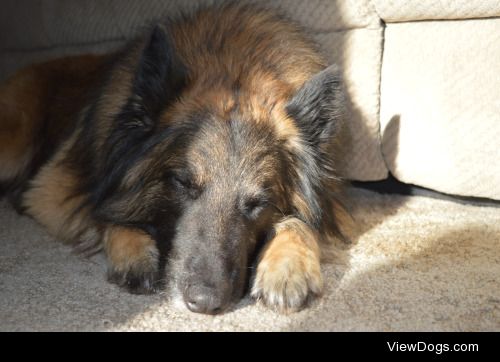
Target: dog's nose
(201, 299)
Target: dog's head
(208, 166)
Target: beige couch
(423, 76)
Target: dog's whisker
(278, 208)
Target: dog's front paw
(133, 260)
(135, 281)
(288, 273)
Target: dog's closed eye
(181, 181)
(253, 206)
(184, 184)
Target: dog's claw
(136, 283)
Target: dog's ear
(158, 80)
(317, 107)
(318, 110)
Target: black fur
(317, 107)
(159, 78)
(318, 110)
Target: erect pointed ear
(317, 107)
(159, 77)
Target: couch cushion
(410, 10)
(440, 105)
(359, 53)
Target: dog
(204, 151)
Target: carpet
(417, 264)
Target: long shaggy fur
(208, 143)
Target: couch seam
(382, 25)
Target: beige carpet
(419, 264)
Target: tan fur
(288, 272)
(52, 200)
(249, 73)
(46, 92)
(130, 249)
(19, 106)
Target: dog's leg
(133, 259)
(53, 200)
(132, 255)
(288, 270)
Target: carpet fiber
(418, 264)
